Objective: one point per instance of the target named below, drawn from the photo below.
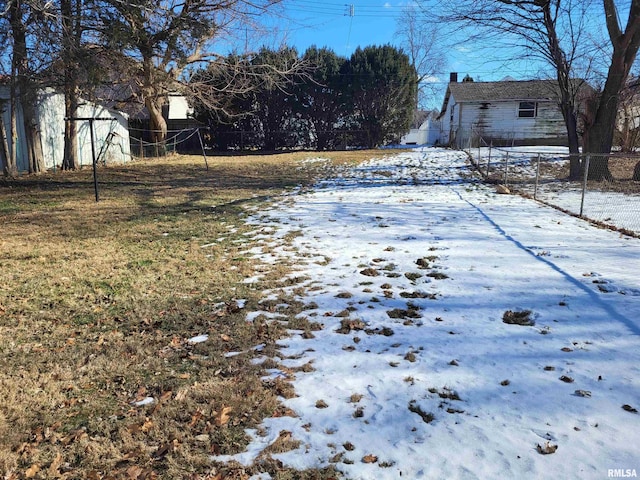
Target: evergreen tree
(383, 87)
(273, 107)
(322, 97)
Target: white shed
(111, 136)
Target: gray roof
(509, 90)
(506, 90)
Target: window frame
(527, 109)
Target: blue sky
(337, 25)
(374, 22)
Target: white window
(528, 110)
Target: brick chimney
(453, 77)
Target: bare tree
(601, 120)
(627, 123)
(421, 41)
(166, 37)
(70, 33)
(557, 31)
(551, 30)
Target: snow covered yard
(413, 268)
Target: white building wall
(51, 116)
(499, 121)
(446, 125)
(427, 134)
(179, 108)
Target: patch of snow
(198, 339)
(143, 402)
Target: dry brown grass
(97, 302)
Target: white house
(111, 135)
(508, 112)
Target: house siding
(498, 123)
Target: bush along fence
(543, 173)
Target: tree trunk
(70, 159)
(157, 124)
(25, 87)
(31, 130)
(600, 131)
(12, 167)
(567, 102)
(70, 41)
(4, 144)
(154, 101)
(571, 123)
(599, 137)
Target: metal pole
(203, 152)
(489, 158)
(93, 147)
(93, 156)
(535, 190)
(584, 182)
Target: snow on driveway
(412, 265)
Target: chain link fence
(543, 174)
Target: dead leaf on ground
(55, 465)
(165, 449)
(223, 416)
(166, 395)
(73, 436)
(32, 471)
(195, 418)
(369, 458)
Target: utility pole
(351, 13)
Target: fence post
(506, 168)
(584, 182)
(489, 158)
(535, 190)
